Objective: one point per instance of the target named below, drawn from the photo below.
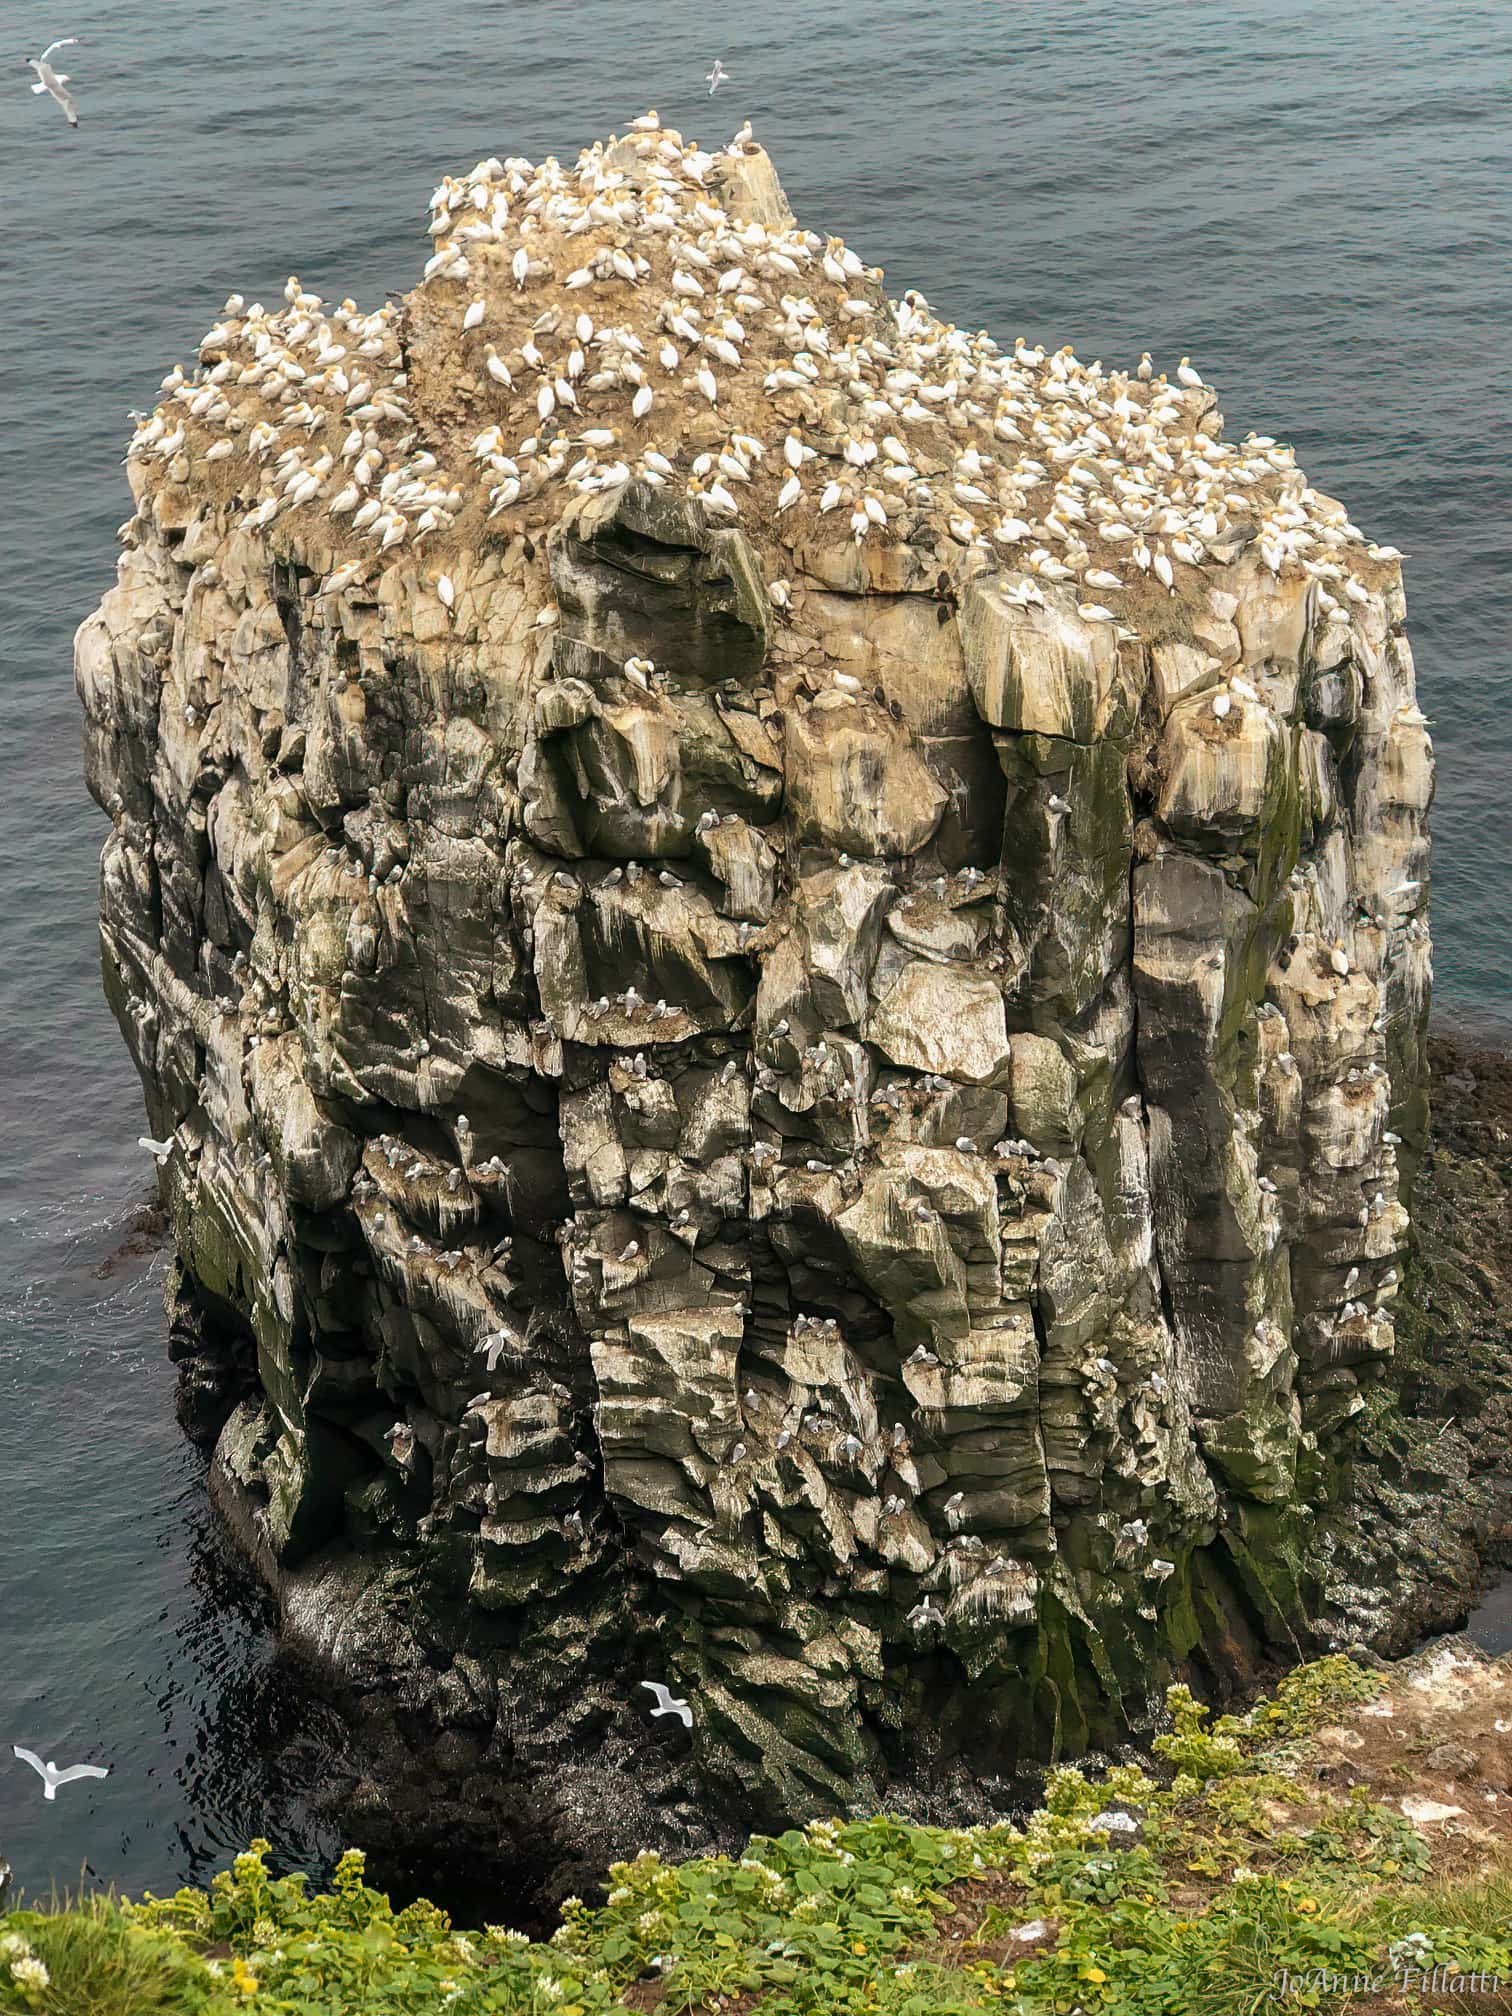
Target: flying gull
(493, 1347)
(667, 1703)
(52, 1777)
(717, 76)
(52, 81)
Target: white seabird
(51, 1774)
(52, 81)
(493, 1346)
(667, 1703)
(717, 76)
(158, 1150)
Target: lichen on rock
(784, 954)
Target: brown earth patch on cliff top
(958, 1938)
(1439, 1736)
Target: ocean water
(1314, 202)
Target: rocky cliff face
(783, 956)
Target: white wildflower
(30, 1972)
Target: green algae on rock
(765, 1095)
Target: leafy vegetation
(1190, 1887)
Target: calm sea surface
(1313, 200)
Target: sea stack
(784, 951)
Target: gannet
(52, 81)
(717, 76)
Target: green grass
(1230, 1883)
(99, 1961)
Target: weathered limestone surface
(863, 1176)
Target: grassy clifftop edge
(1345, 1843)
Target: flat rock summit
(782, 952)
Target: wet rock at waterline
(783, 954)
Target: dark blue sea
(1314, 200)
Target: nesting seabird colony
(613, 320)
